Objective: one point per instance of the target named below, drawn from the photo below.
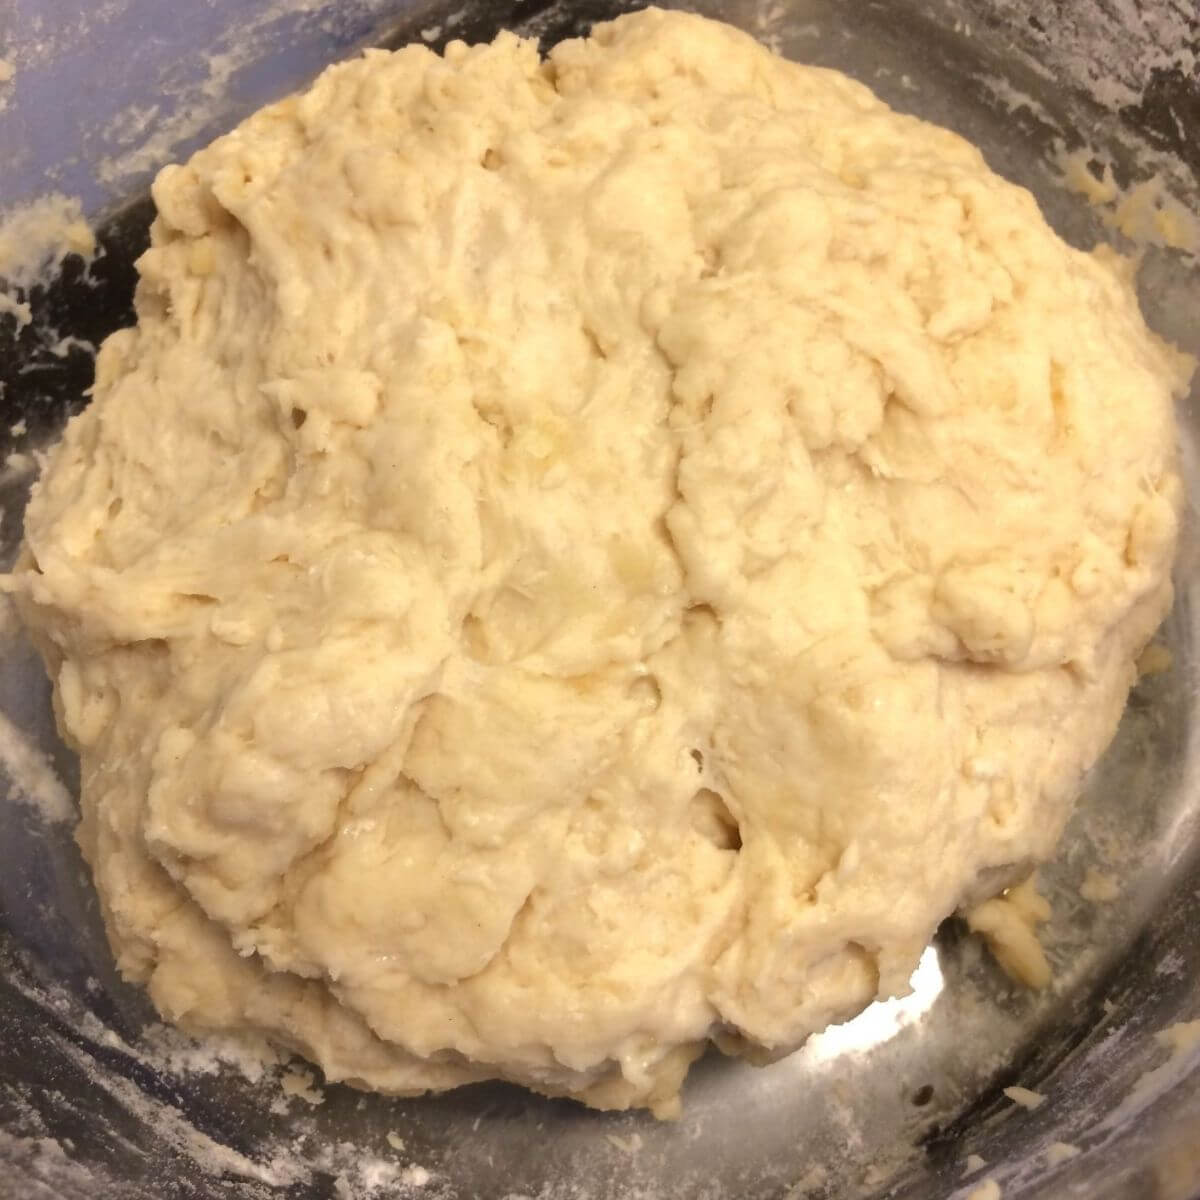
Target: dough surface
(582, 557)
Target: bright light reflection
(884, 1019)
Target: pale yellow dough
(581, 557)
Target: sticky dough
(582, 557)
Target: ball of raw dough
(581, 557)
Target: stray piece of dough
(1025, 1098)
(1099, 887)
(1008, 924)
(989, 1189)
(1058, 1153)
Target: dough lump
(582, 557)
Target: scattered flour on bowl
(1182, 1041)
(31, 777)
(167, 1050)
(358, 1173)
(176, 1131)
(44, 1167)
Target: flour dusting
(1181, 1040)
(32, 779)
(44, 1167)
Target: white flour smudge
(32, 778)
